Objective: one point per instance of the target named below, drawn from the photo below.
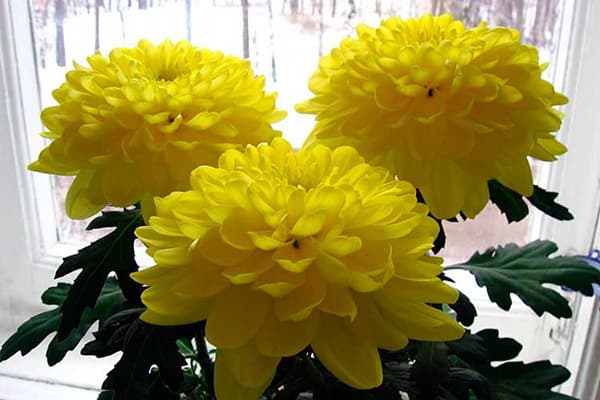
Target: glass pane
(285, 39)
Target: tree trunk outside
(60, 10)
(142, 4)
(333, 8)
(538, 31)
(97, 5)
(294, 6)
(352, 12)
(272, 40)
(246, 35)
(321, 28)
(188, 19)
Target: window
(283, 39)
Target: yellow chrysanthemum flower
(278, 251)
(443, 107)
(134, 125)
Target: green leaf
(106, 395)
(111, 336)
(509, 381)
(430, 372)
(514, 207)
(544, 201)
(470, 348)
(113, 252)
(463, 381)
(533, 381)
(465, 310)
(57, 349)
(508, 201)
(499, 349)
(145, 346)
(524, 270)
(56, 295)
(30, 334)
(186, 348)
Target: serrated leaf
(430, 372)
(511, 380)
(111, 336)
(470, 348)
(57, 349)
(55, 296)
(544, 201)
(524, 270)
(533, 381)
(499, 349)
(145, 346)
(463, 381)
(465, 310)
(440, 240)
(30, 334)
(106, 395)
(113, 252)
(509, 202)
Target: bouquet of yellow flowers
(284, 274)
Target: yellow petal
(295, 258)
(121, 184)
(166, 308)
(517, 176)
(227, 388)
(371, 322)
(213, 248)
(78, 204)
(236, 316)
(285, 338)
(340, 302)
(264, 241)
(300, 303)
(431, 290)
(422, 322)
(247, 366)
(352, 358)
(249, 269)
(309, 224)
(278, 282)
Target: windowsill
(12, 388)
(77, 377)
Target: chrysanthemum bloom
(278, 251)
(443, 107)
(134, 125)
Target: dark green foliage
(465, 310)
(113, 252)
(151, 366)
(544, 201)
(515, 208)
(533, 381)
(35, 330)
(110, 338)
(509, 202)
(472, 372)
(524, 270)
(30, 334)
(430, 373)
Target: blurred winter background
(284, 40)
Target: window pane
(285, 39)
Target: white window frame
(29, 251)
